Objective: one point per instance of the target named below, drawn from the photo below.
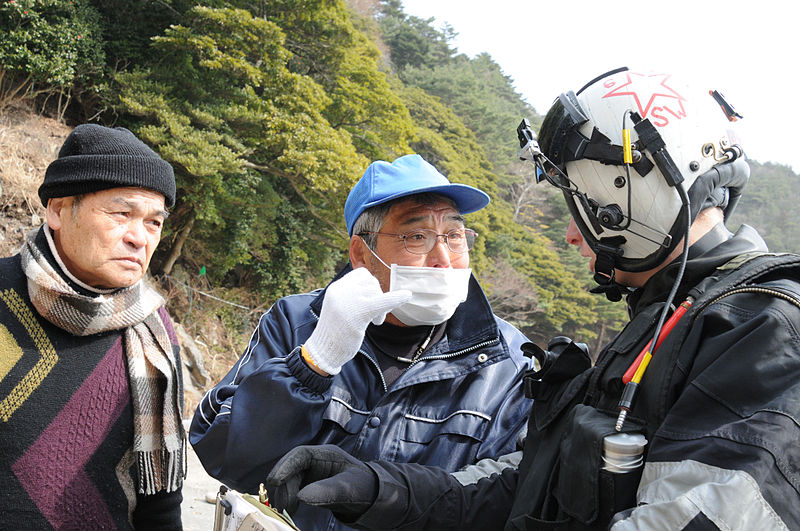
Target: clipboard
(235, 511)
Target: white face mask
(436, 292)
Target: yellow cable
(637, 376)
(627, 156)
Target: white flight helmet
(631, 214)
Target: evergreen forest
(269, 112)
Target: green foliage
(414, 41)
(270, 111)
(482, 96)
(128, 27)
(255, 159)
(52, 43)
(327, 47)
(769, 204)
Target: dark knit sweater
(66, 424)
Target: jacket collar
(472, 322)
(715, 248)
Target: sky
(748, 51)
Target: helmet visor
(562, 118)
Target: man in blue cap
(400, 358)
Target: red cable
(665, 330)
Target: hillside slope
(28, 143)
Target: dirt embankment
(28, 143)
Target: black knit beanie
(95, 158)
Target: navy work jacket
(460, 402)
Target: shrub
(48, 46)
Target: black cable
(684, 258)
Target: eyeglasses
(422, 241)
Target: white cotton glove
(350, 304)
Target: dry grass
(220, 330)
(28, 143)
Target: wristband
(307, 357)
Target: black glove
(325, 476)
(561, 362)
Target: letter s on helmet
(630, 212)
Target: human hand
(350, 304)
(324, 476)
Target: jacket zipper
(426, 358)
(458, 353)
(377, 368)
(754, 289)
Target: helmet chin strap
(607, 250)
(612, 291)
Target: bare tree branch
(292, 180)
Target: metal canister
(623, 452)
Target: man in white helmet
(400, 357)
(698, 432)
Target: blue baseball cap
(407, 175)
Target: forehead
(412, 211)
(137, 197)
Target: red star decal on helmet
(654, 98)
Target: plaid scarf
(159, 442)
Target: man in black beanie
(90, 378)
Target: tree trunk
(175, 252)
(601, 338)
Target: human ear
(358, 252)
(56, 208)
